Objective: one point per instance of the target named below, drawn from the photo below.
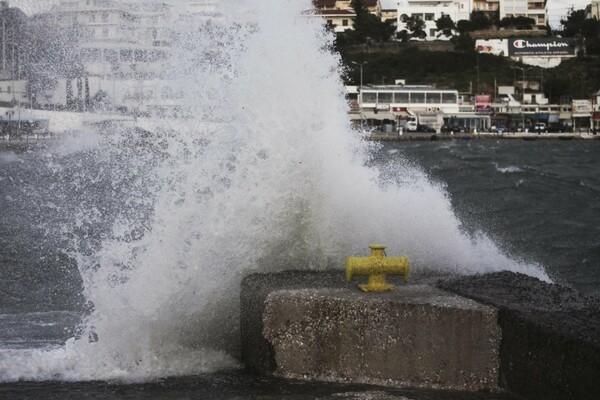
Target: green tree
(464, 26)
(416, 27)
(480, 21)
(445, 25)
(586, 32)
(517, 22)
(464, 43)
(368, 26)
(573, 24)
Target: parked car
(540, 127)
(426, 128)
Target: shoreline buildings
(119, 58)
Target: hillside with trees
(398, 57)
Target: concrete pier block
(551, 334)
(417, 336)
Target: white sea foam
(269, 176)
(507, 170)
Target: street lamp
(523, 82)
(522, 97)
(360, 104)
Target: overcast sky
(556, 8)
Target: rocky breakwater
(550, 334)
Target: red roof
(335, 12)
(323, 3)
(369, 3)
(331, 3)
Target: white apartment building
(340, 15)
(120, 38)
(204, 10)
(535, 9)
(123, 49)
(491, 8)
(340, 20)
(431, 10)
(592, 10)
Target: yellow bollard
(376, 267)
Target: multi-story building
(389, 13)
(430, 11)
(340, 20)
(491, 8)
(123, 48)
(118, 38)
(324, 4)
(339, 13)
(372, 6)
(535, 9)
(592, 10)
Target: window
(344, 22)
(434, 98)
(92, 17)
(126, 55)
(449, 98)
(386, 97)
(403, 18)
(428, 17)
(329, 22)
(401, 98)
(111, 56)
(104, 33)
(417, 98)
(105, 17)
(432, 32)
(369, 98)
(91, 55)
(154, 56)
(141, 55)
(418, 16)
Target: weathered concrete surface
(550, 344)
(257, 353)
(551, 334)
(416, 336)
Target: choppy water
(539, 201)
(121, 257)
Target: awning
(380, 115)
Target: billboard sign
(497, 47)
(582, 106)
(544, 47)
(483, 103)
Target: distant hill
(445, 67)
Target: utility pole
(522, 96)
(360, 104)
(3, 46)
(477, 73)
(495, 90)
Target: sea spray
(263, 173)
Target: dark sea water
(538, 201)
